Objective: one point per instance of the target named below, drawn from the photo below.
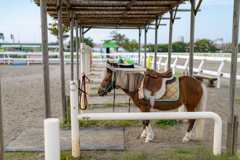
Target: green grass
(165, 123)
(108, 104)
(195, 153)
(181, 151)
(176, 73)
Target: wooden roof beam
(118, 19)
(87, 30)
(121, 10)
(127, 8)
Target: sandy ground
(23, 106)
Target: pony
(193, 96)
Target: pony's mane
(126, 80)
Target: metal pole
(155, 50)
(139, 47)
(60, 38)
(80, 63)
(71, 42)
(192, 28)
(77, 48)
(74, 120)
(235, 32)
(170, 40)
(43, 6)
(1, 124)
(145, 48)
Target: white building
(180, 39)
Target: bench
(210, 82)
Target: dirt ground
(23, 106)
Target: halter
(106, 89)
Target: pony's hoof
(184, 141)
(143, 137)
(147, 141)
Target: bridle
(113, 81)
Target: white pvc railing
(76, 116)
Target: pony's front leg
(149, 131)
(144, 133)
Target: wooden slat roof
(112, 13)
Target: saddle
(153, 80)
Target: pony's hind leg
(147, 132)
(190, 134)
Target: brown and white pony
(193, 96)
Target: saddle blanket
(171, 92)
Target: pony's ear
(109, 71)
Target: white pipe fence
(75, 117)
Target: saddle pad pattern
(171, 91)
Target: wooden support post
(77, 49)
(44, 27)
(82, 35)
(139, 47)
(170, 40)
(235, 135)
(155, 50)
(192, 28)
(145, 48)
(71, 42)
(1, 123)
(60, 37)
(80, 41)
(235, 32)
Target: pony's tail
(201, 107)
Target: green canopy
(110, 45)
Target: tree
(54, 30)
(88, 41)
(179, 47)
(130, 45)
(205, 45)
(117, 38)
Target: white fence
(76, 116)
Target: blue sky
(22, 19)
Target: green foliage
(108, 104)
(117, 38)
(179, 47)
(181, 151)
(205, 45)
(134, 156)
(130, 45)
(53, 28)
(165, 123)
(88, 41)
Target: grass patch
(178, 74)
(224, 86)
(237, 99)
(165, 123)
(205, 82)
(181, 151)
(134, 156)
(108, 104)
(194, 153)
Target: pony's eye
(106, 80)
